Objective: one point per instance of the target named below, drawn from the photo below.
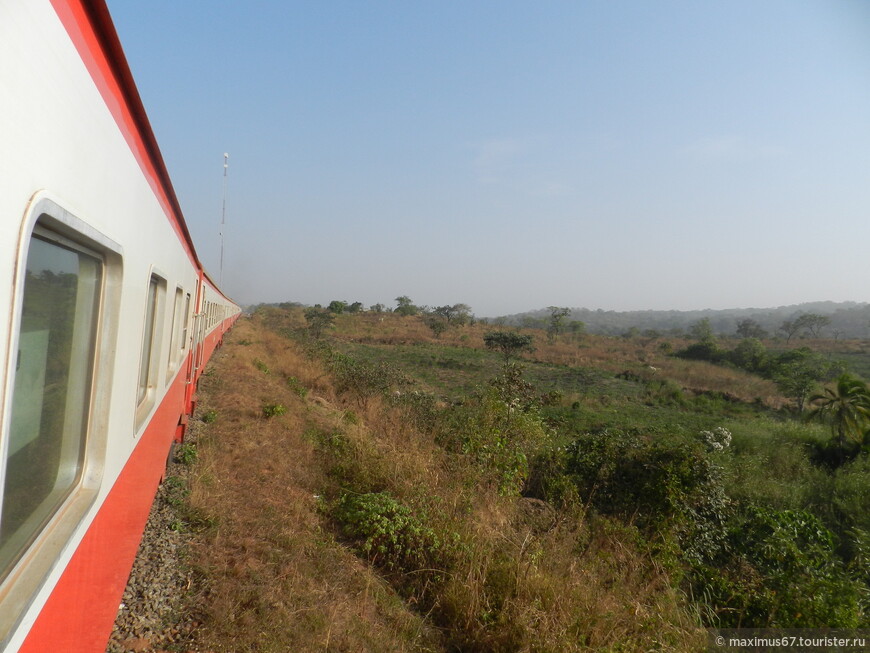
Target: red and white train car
(109, 319)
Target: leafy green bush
(499, 435)
(664, 392)
(781, 571)
(388, 533)
(272, 410)
(659, 483)
(186, 453)
(750, 355)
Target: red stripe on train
(81, 610)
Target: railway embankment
(238, 554)
(321, 504)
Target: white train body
(110, 318)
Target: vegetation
(846, 319)
(605, 494)
(510, 344)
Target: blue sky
(515, 155)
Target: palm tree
(846, 407)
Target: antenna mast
(223, 217)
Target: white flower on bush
(718, 439)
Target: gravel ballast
(151, 616)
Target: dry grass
(273, 579)
(276, 576)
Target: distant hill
(848, 319)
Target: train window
(50, 408)
(184, 322)
(150, 347)
(175, 336)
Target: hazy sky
(514, 155)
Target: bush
(750, 355)
(661, 485)
(782, 572)
(499, 436)
(706, 350)
(272, 410)
(387, 533)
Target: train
(110, 319)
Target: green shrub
(209, 416)
(185, 453)
(271, 410)
(388, 533)
(260, 365)
(782, 571)
(770, 466)
(706, 350)
(499, 436)
(851, 493)
(750, 355)
(664, 392)
(658, 483)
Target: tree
(701, 330)
(814, 323)
(437, 323)
(749, 328)
(807, 322)
(798, 372)
(336, 306)
(557, 321)
(509, 343)
(531, 322)
(577, 328)
(790, 328)
(750, 355)
(356, 307)
(456, 314)
(846, 407)
(405, 306)
(318, 320)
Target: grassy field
(384, 489)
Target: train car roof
(92, 31)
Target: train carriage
(111, 318)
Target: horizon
(837, 304)
(504, 155)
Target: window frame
(176, 347)
(47, 219)
(147, 400)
